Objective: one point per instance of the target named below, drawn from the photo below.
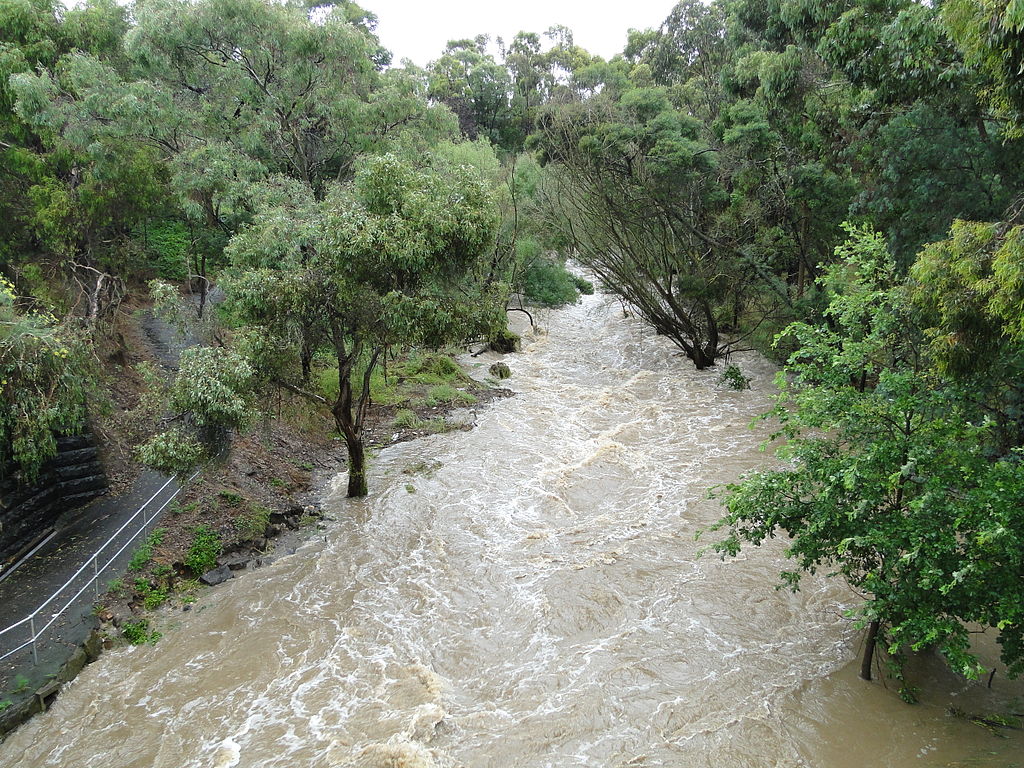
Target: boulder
(500, 371)
(217, 576)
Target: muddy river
(523, 595)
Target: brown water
(525, 594)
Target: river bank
(257, 504)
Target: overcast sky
(419, 29)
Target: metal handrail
(97, 571)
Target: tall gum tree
(392, 259)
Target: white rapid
(526, 594)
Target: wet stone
(216, 576)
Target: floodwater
(527, 594)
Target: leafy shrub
(230, 497)
(584, 286)
(548, 283)
(138, 632)
(429, 368)
(733, 378)
(206, 548)
(406, 419)
(152, 595)
(167, 245)
(174, 452)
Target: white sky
(419, 29)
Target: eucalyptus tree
(394, 259)
(227, 92)
(632, 187)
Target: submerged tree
(888, 478)
(632, 191)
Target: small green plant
(116, 587)
(252, 524)
(277, 482)
(733, 378)
(206, 548)
(406, 419)
(230, 497)
(162, 571)
(139, 633)
(21, 684)
(305, 466)
(142, 555)
(410, 488)
(152, 596)
(5, 704)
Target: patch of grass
(277, 482)
(429, 368)
(305, 466)
(5, 705)
(139, 633)
(206, 548)
(21, 684)
(142, 555)
(176, 509)
(116, 587)
(410, 488)
(406, 419)
(253, 523)
(230, 497)
(152, 596)
(446, 393)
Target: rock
(506, 342)
(235, 562)
(500, 371)
(217, 576)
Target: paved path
(48, 570)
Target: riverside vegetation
(835, 184)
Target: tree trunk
(356, 468)
(869, 650)
(345, 420)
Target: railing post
(32, 629)
(96, 575)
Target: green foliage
(139, 633)
(406, 419)
(203, 552)
(21, 684)
(141, 556)
(733, 378)
(253, 524)
(46, 376)
(152, 596)
(174, 452)
(445, 393)
(168, 245)
(548, 283)
(887, 477)
(230, 497)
